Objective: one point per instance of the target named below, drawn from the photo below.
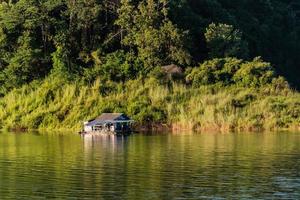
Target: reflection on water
(200, 166)
(111, 142)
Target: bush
(254, 74)
(230, 71)
(216, 71)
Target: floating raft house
(116, 123)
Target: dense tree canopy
(270, 27)
(122, 40)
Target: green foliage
(144, 112)
(271, 29)
(149, 31)
(60, 64)
(216, 71)
(255, 73)
(118, 66)
(34, 35)
(229, 71)
(224, 41)
(23, 66)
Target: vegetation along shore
(180, 65)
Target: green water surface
(161, 166)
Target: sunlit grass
(52, 104)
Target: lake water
(166, 166)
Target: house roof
(93, 123)
(109, 117)
(172, 69)
(112, 116)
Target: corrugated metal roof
(112, 116)
(93, 123)
(108, 117)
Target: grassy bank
(52, 104)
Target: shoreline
(172, 127)
(177, 127)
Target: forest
(65, 61)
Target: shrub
(216, 71)
(230, 71)
(254, 74)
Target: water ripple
(201, 166)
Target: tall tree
(148, 31)
(225, 41)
